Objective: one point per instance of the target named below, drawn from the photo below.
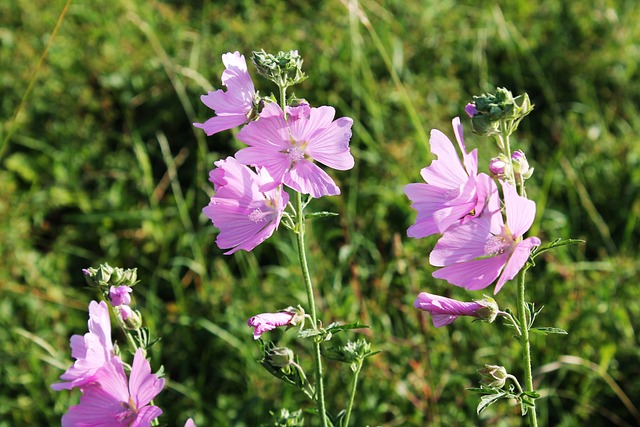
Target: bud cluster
(489, 112)
(283, 68)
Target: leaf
(488, 400)
(555, 244)
(320, 214)
(548, 330)
(338, 327)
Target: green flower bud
(283, 68)
(132, 318)
(280, 357)
(494, 113)
(493, 376)
(521, 165)
(489, 310)
(287, 419)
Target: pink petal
(307, 178)
(219, 123)
(473, 275)
(462, 242)
(143, 385)
(305, 127)
(267, 132)
(97, 408)
(273, 160)
(426, 200)
(520, 211)
(189, 423)
(447, 171)
(146, 415)
(517, 260)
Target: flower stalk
(526, 347)
(300, 229)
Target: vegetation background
(104, 165)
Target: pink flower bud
(470, 109)
(445, 310)
(498, 167)
(120, 295)
(268, 321)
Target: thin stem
(354, 385)
(512, 320)
(526, 347)
(320, 403)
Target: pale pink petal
(447, 171)
(462, 242)
(146, 415)
(517, 260)
(100, 323)
(143, 385)
(309, 121)
(520, 211)
(331, 146)
(426, 200)
(113, 380)
(273, 160)
(267, 132)
(97, 408)
(471, 159)
(473, 275)
(189, 423)
(307, 178)
(219, 123)
(444, 310)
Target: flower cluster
(108, 397)
(477, 247)
(285, 143)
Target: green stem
(320, 403)
(526, 347)
(354, 385)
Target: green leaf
(338, 327)
(547, 331)
(320, 214)
(555, 244)
(488, 400)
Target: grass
(102, 164)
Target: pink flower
(235, 106)
(445, 310)
(475, 253)
(268, 321)
(453, 190)
(247, 207)
(119, 295)
(112, 401)
(288, 149)
(91, 351)
(189, 423)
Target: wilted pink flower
(475, 253)
(119, 295)
(453, 191)
(235, 106)
(91, 351)
(112, 401)
(267, 321)
(445, 310)
(247, 208)
(288, 148)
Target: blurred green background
(104, 165)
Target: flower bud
(521, 165)
(489, 310)
(288, 419)
(280, 357)
(470, 109)
(492, 112)
(132, 319)
(493, 376)
(283, 68)
(119, 295)
(499, 167)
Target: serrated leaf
(488, 400)
(547, 331)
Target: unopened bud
(132, 318)
(280, 357)
(521, 165)
(489, 310)
(283, 68)
(493, 376)
(499, 167)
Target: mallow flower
(268, 321)
(453, 190)
(112, 401)
(476, 253)
(235, 106)
(288, 148)
(445, 310)
(246, 207)
(91, 351)
(119, 295)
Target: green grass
(103, 164)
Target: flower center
(130, 412)
(257, 215)
(295, 154)
(498, 244)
